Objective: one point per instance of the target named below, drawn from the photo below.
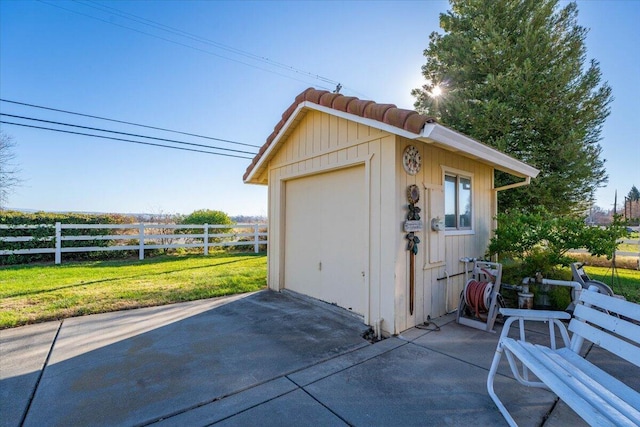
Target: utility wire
(125, 133)
(178, 43)
(188, 35)
(125, 140)
(182, 33)
(127, 123)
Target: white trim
(326, 151)
(462, 232)
(455, 141)
(432, 133)
(464, 174)
(367, 259)
(347, 163)
(451, 170)
(293, 118)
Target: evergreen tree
(514, 75)
(634, 194)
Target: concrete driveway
(260, 359)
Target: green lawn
(37, 293)
(624, 282)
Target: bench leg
(492, 373)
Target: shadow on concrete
(109, 370)
(266, 359)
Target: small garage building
(338, 169)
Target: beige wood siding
(321, 143)
(435, 295)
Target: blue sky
(81, 57)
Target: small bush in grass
(211, 217)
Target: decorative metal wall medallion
(411, 160)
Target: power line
(122, 139)
(127, 123)
(186, 34)
(178, 43)
(125, 133)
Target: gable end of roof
(390, 114)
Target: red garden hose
(475, 296)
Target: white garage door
(325, 232)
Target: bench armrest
(550, 316)
(541, 315)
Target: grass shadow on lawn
(38, 293)
(114, 279)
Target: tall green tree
(514, 74)
(634, 194)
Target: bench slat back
(606, 329)
(613, 344)
(612, 304)
(608, 322)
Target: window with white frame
(457, 202)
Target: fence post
(141, 240)
(58, 256)
(206, 239)
(256, 238)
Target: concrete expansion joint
(253, 406)
(289, 377)
(435, 350)
(44, 366)
(360, 362)
(220, 398)
(326, 407)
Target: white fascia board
(432, 132)
(276, 141)
(458, 142)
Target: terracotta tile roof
(389, 114)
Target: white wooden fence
(158, 238)
(627, 253)
(619, 253)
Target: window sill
(458, 232)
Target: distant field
(37, 293)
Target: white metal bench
(599, 398)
